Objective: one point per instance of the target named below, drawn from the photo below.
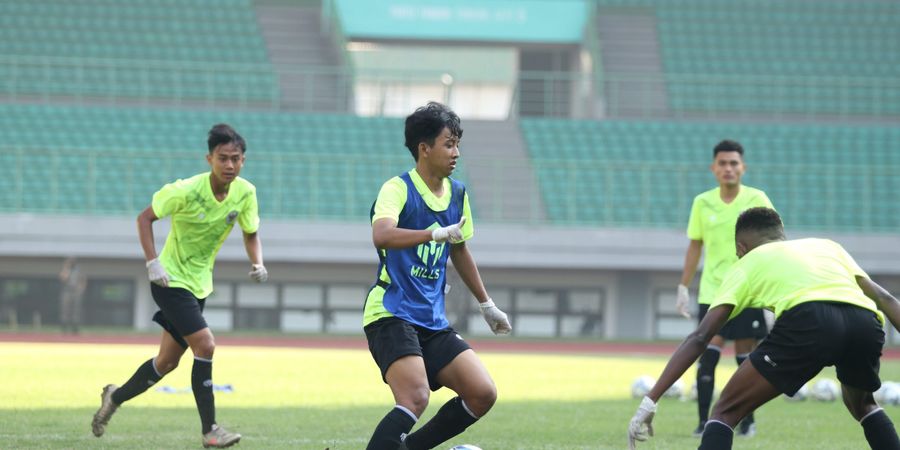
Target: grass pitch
(317, 399)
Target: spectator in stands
(72, 285)
(204, 209)
(829, 313)
(414, 218)
(711, 225)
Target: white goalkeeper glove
(157, 273)
(258, 273)
(683, 299)
(641, 427)
(452, 233)
(495, 318)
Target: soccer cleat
(107, 408)
(220, 438)
(698, 432)
(747, 428)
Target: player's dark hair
(762, 220)
(728, 146)
(426, 123)
(221, 134)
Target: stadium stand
(137, 49)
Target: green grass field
(317, 399)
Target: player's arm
(691, 349)
(691, 259)
(385, 234)
(253, 246)
(155, 271)
(468, 272)
(882, 298)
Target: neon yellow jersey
(781, 275)
(200, 224)
(712, 221)
(389, 204)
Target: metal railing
(838, 197)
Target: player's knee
(204, 348)
(165, 365)
(416, 400)
(482, 398)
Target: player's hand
(641, 426)
(157, 273)
(258, 273)
(495, 318)
(682, 301)
(452, 233)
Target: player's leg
(742, 349)
(395, 347)
(858, 370)
(706, 375)
(451, 363)
(746, 390)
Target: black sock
(880, 431)
(453, 418)
(706, 381)
(390, 431)
(739, 359)
(201, 383)
(144, 377)
(716, 436)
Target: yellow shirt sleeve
(695, 228)
(168, 200)
(468, 229)
(249, 217)
(390, 201)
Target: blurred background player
(711, 225)
(73, 282)
(828, 313)
(204, 209)
(414, 218)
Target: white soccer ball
(675, 390)
(826, 390)
(690, 395)
(465, 447)
(799, 396)
(642, 386)
(888, 393)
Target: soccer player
(711, 225)
(204, 209)
(421, 218)
(828, 313)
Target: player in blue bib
(420, 219)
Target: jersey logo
(231, 216)
(429, 253)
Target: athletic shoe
(220, 438)
(747, 428)
(107, 408)
(699, 431)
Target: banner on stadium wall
(550, 21)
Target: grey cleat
(107, 408)
(220, 438)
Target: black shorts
(811, 336)
(750, 323)
(180, 312)
(391, 338)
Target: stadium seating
(630, 173)
(135, 49)
(834, 57)
(109, 160)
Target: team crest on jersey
(231, 216)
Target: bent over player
(204, 209)
(828, 313)
(421, 218)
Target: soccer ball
(465, 447)
(674, 391)
(888, 393)
(826, 390)
(799, 396)
(642, 386)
